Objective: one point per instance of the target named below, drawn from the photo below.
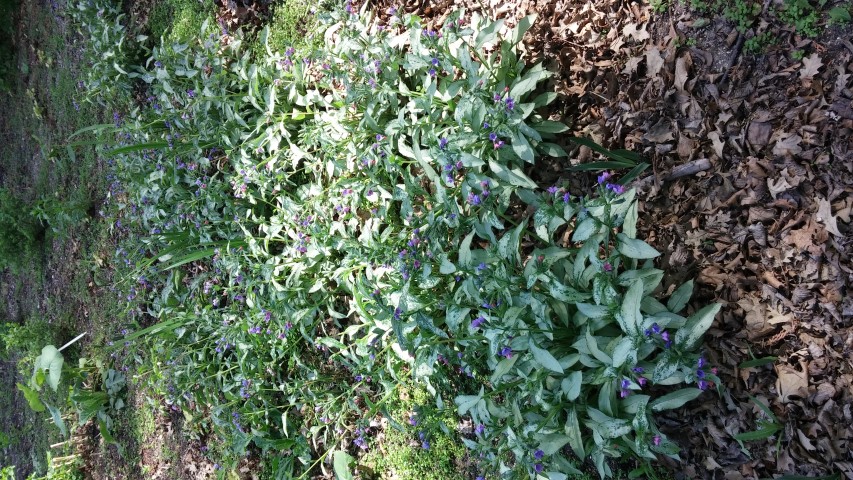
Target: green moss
(402, 454)
(292, 24)
(179, 21)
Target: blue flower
(538, 454)
(506, 352)
(442, 143)
(474, 199)
(435, 62)
(538, 467)
(510, 103)
(479, 429)
(493, 136)
(431, 72)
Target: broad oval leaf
(680, 297)
(689, 335)
(666, 367)
(634, 248)
(674, 399)
(573, 431)
(571, 385)
(544, 358)
(552, 443)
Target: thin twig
(687, 169)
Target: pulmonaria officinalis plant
(313, 231)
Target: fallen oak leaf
(811, 65)
(824, 215)
(791, 382)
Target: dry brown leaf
(635, 31)
(778, 186)
(758, 133)
(809, 237)
(789, 144)
(760, 320)
(811, 65)
(717, 143)
(682, 66)
(660, 132)
(791, 381)
(631, 65)
(824, 216)
(654, 62)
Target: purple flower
(431, 72)
(442, 143)
(665, 336)
(538, 454)
(538, 467)
(497, 97)
(506, 352)
(700, 363)
(603, 177)
(485, 124)
(435, 62)
(482, 266)
(616, 188)
(626, 383)
(702, 384)
(700, 373)
(655, 328)
(642, 381)
(413, 420)
(624, 393)
(256, 329)
(478, 321)
(638, 370)
(474, 199)
(499, 144)
(566, 197)
(479, 429)
(656, 440)
(607, 267)
(552, 189)
(191, 93)
(493, 136)
(510, 103)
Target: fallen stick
(687, 169)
